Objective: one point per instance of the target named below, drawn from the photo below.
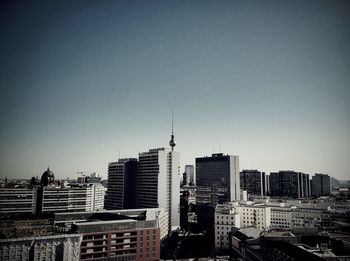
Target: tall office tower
(267, 182)
(305, 185)
(189, 170)
(121, 187)
(321, 185)
(158, 183)
(253, 181)
(289, 184)
(217, 179)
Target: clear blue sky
(82, 81)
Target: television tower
(172, 141)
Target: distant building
(158, 183)
(321, 185)
(218, 175)
(289, 184)
(253, 181)
(191, 179)
(311, 217)
(86, 197)
(92, 178)
(334, 182)
(18, 200)
(122, 186)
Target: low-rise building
(118, 234)
(225, 218)
(85, 197)
(18, 200)
(239, 215)
(55, 247)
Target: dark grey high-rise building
(321, 185)
(121, 187)
(289, 184)
(253, 181)
(217, 179)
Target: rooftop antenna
(172, 141)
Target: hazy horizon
(83, 82)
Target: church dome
(47, 177)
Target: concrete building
(225, 218)
(121, 188)
(253, 181)
(289, 184)
(239, 215)
(321, 185)
(18, 200)
(218, 174)
(117, 234)
(49, 197)
(281, 217)
(158, 183)
(255, 215)
(56, 247)
(312, 217)
(83, 197)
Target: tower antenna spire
(172, 140)
(172, 122)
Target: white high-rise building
(158, 183)
(235, 189)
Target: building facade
(132, 234)
(321, 185)
(158, 183)
(225, 218)
(84, 197)
(121, 188)
(289, 184)
(239, 215)
(218, 174)
(18, 200)
(253, 181)
(56, 247)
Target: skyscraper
(217, 179)
(121, 187)
(321, 185)
(151, 182)
(158, 182)
(253, 181)
(289, 183)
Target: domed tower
(172, 139)
(47, 177)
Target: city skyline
(85, 83)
